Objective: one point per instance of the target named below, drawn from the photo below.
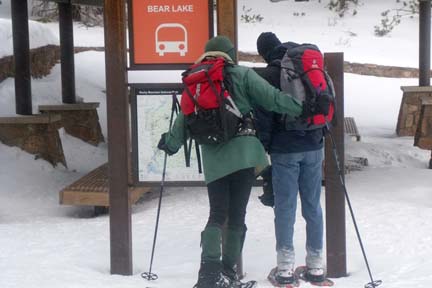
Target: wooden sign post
(227, 20)
(335, 198)
(118, 137)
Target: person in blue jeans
(296, 158)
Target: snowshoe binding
(273, 279)
(248, 284)
(301, 273)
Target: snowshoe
(301, 273)
(210, 276)
(248, 284)
(272, 279)
(232, 274)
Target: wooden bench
(351, 128)
(80, 120)
(92, 190)
(423, 136)
(36, 134)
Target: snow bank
(40, 35)
(313, 22)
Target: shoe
(210, 276)
(232, 275)
(315, 275)
(285, 276)
(225, 282)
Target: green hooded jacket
(249, 90)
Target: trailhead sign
(151, 116)
(167, 34)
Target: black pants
(229, 197)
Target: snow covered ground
(47, 245)
(39, 33)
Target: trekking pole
(198, 154)
(373, 283)
(149, 275)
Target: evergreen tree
(48, 11)
(392, 17)
(342, 6)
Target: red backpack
(303, 76)
(211, 115)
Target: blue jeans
(293, 173)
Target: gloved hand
(163, 146)
(267, 198)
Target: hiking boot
(233, 246)
(210, 276)
(229, 272)
(232, 275)
(285, 276)
(211, 242)
(285, 266)
(314, 263)
(226, 282)
(315, 275)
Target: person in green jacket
(229, 168)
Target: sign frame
(160, 66)
(174, 87)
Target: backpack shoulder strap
(276, 63)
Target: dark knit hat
(223, 44)
(266, 42)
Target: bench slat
(351, 128)
(92, 189)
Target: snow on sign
(166, 33)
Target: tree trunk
(341, 5)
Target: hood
(221, 44)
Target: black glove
(267, 198)
(163, 146)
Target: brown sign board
(59, 1)
(168, 34)
(88, 2)
(80, 2)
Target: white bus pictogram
(167, 46)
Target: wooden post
(335, 198)
(21, 47)
(118, 137)
(430, 162)
(425, 42)
(424, 47)
(227, 20)
(67, 54)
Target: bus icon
(171, 38)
